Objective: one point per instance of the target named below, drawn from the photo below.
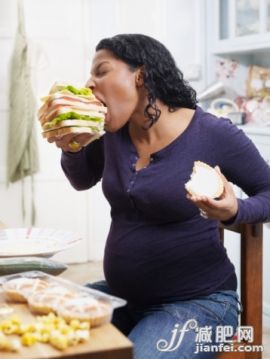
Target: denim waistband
(227, 295)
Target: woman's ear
(139, 77)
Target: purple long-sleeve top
(159, 249)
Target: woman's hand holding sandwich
(72, 142)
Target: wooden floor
(92, 271)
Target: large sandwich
(68, 109)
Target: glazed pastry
(44, 303)
(5, 309)
(59, 290)
(18, 289)
(48, 300)
(86, 308)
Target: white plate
(21, 242)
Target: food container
(43, 293)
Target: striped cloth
(22, 152)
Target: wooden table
(106, 342)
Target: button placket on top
(132, 181)
(133, 176)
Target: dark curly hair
(162, 78)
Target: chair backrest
(251, 236)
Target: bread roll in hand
(205, 181)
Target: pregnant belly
(153, 270)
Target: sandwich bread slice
(68, 109)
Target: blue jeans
(171, 330)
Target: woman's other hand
(221, 209)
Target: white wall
(179, 24)
(56, 53)
(63, 35)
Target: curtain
(22, 152)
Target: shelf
(236, 30)
(252, 43)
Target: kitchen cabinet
(240, 26)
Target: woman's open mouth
(100, 100)
(104, 104)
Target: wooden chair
(251, 237)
